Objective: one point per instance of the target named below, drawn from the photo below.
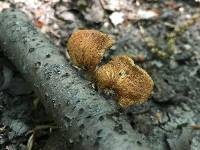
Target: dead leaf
(39, 23)
(111, 5)
(95, 13)
(147, 14)
(4, 5)
(183, 142)
(117, 18)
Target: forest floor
(161, 36)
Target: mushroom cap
(87, 47)
(131, 83)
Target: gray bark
(88, 120)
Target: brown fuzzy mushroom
(131, 84)
(86, 48)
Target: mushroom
(131, 84)
(87, 47)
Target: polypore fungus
(131, 84)
(86, 48)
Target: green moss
(170, 39)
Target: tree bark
(89, 121)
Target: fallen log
(88, 120)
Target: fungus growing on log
(86, 48)
(131, 84)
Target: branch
(88, 120)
